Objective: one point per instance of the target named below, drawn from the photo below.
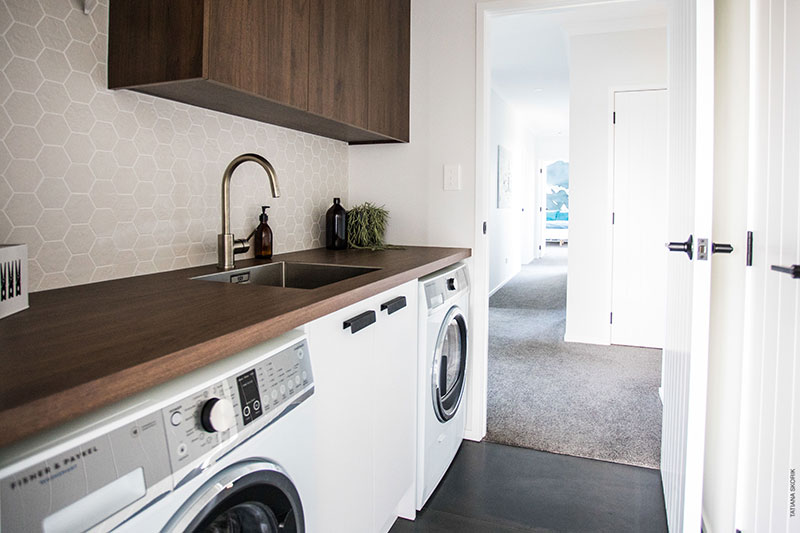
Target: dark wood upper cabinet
(337, 68)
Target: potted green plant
(366, 227)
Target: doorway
(583, 397)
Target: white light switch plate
(452, 177)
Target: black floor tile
(512, 489)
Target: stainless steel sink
(286, 274)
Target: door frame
(479, 316)
(613, 90)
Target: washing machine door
(449, 373)
(251, 496)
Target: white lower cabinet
(365, 388)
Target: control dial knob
(217, 415)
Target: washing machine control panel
(206, 423)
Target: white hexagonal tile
(23, 74)
(53, 162)
(79, 208)
(164, 157)
(23, 175)
(98, 75)
(80, 269)
(5, 123)
(103, 165)
(103, 136)
(104, 106)
(80, 87)
(79, 238)
(53, 257)
(103, 222)
(125, 180)
(53, 129)
(100, 48)
(163, 207)
(5, 87)
(58, 9)
(145, 222)
(81, 57)
(125, 207)
(103, 194)
(53, 193)
(23, 108)
(99, 17)
(5, 18)
(145, 168)
(24, 41)
(79, 117)
(25, 11)
(27, 235)
(164, 131)
(53, 97)
(55, 280)
(23, 142)
(144, 194)
(80, 27)
(54, 33)
(125, 235)
(53, 225)
(125, 124)
(79, 178)
(79, 148)
(125, 152)
(103, 251)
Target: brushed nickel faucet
(227, 246)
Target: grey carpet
(599, 402)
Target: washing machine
(442, 367)
(224, 448)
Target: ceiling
(529, 55)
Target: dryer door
(248, 496)
(448, 376)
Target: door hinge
(614, 117)
(484, 227)
(613, 218)
(749, 253)
(610, 318)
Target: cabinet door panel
(339, 60)
(343, 449)
(389, 66)
(261, 47)
(394, 431)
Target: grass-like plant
(366, 227)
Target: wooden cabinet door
(389, 68)
(343, 405)
(260, 47)
(394, 359)
(339, 60)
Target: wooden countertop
(80, 348)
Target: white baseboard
(503, 283)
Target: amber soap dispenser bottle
(336, 226)
(263, 236)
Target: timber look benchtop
(80, 348)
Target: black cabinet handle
(687, 247)
(793, 270)
(395, 304)
(359, 322)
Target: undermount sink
(286, 274)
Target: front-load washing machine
(226, 447)
(442, 367)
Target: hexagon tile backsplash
(105, 184)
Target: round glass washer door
(448, 376)
(249, 497)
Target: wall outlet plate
(452, 177)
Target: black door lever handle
(721, 248)
(687, 247)
(793, 270)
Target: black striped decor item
(10, 279)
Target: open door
(690, 200)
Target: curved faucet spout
(225, 241)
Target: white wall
(505, 225)
(598, 63)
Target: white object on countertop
(13, 278)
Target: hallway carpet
(585, 400)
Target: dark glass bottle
(263, 236)
(336, 226)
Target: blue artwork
(557, 205)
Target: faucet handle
(241, 246)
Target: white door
(639, 270)
(691, 150)
(770, 457)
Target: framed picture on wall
(503, 177)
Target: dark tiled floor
(496, 488)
